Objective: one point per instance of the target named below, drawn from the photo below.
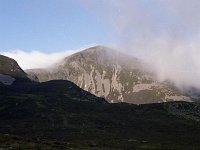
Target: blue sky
(165, 33)
(49, 25)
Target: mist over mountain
(48, 115)
(141, 91)
(108, 73)
(35, 59)
(164, 33)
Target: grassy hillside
(46, 116)
(59, 115)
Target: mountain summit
(111, 74)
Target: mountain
(13, 80)
(58, 114)
(111, 74)
(10, 71)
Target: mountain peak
(101, 49)
(97, 55)
(98, 48)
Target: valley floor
(85, 125)
(8, 142)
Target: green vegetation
(60, 115)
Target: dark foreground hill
(60, 115)
(43, 116)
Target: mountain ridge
(111, 74)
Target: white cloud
(166, 33)
(37, 59)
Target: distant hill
(111, 74)
(10, 71)
(9, 66)
(14, 81)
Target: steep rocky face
(10, 71)
(113, 75)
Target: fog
(165, 33)
(36, 59)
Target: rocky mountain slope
(14, 81)
(108, 73)
(10, 71)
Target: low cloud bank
(165, 33)
(37, 59)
